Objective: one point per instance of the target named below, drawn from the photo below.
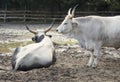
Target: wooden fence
(43, 17)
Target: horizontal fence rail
(44, 17)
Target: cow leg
(88, 45)
(96, 54)
(90, 62)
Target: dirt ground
(69, 67)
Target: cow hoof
(94, 66)
(88, 65)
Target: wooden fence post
(45, 17)
(24, 18)
(5, 16)
(5, 13)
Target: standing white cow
(36, 55)
(92, 32)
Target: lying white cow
(92, 32)
(36, 55)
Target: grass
(6, 47)
(65, 42)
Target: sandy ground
(69, 67)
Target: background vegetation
(60, 5)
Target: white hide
(93, 32)
(41, 52)
(96, 28)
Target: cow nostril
(33, 39)
(57, 30)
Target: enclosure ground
(69, 67)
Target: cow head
(67, 25)
(40, 35)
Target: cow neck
(72, 33)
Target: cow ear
(74, 24)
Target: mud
(69, 67)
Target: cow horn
(69, 11)
(73, 11)
(49, 28)
(31, 30)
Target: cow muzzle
(33, 39)
(57, 30)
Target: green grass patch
(6, 47)
(65, 42)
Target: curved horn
(31, 30)
(69, 11)
(73, 11)
(49, 27)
